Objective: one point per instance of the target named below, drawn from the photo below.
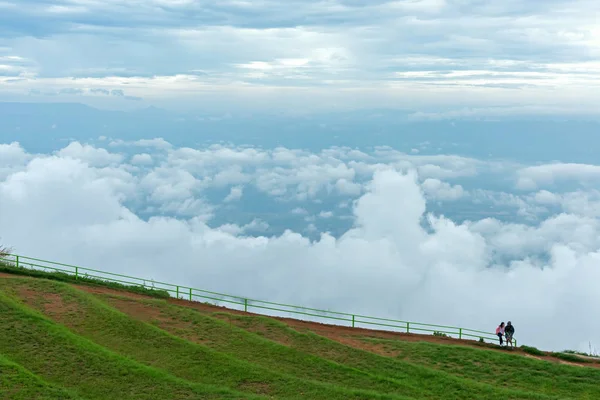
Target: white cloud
(344, 186)
(583, 203)
(438, 172)
(12, 157)
(89, 154)
(531, 178)
(438, 190)
(234, 194)
(60, 207)
(170, 184)
(156, 143)
(189, 207)
(256, 225)
(546, 197)
(230, 176)
(142, 159)
(309, 179)
(12, 154)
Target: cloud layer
(305, 54)
(397, 259)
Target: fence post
(190, 294)
(353, 321)
(76, 273)
(17, 261)
(408, 327)
(245, 305)
(460, 333)
(177, 291)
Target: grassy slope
(82, 279)
(496, 368)
(58, 356)
(19, 384)
(94, 320)
(501, 369)
(152, 349)
(419, 381)
(238, 343)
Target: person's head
(508, 323)
(502, 325)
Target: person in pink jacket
(500, 332)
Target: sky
(424, 160)
(434, 56)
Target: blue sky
(451, 56)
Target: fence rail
(252, 305)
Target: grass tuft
(533, 351)
(570, 357)
(81, 280)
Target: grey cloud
(38, 92)
(73, 91)
(100, 91)
(115, 92)
(341, 44)
(121, 93)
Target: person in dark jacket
(509, 331)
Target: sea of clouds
(141, 208)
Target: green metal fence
(252, 305)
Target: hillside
(66, 341)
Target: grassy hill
(59, 340)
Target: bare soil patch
(150, 314)
(51, 304)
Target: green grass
(17, 383)
(499, 368)
(67, 360)
(236, 342)
(570, 357)
(433, 382)
(60, 342)
(90, 318)
(81, 280)
(533, 351)
(591, 355)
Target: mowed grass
(236, 342)
(94, 320)
(66, 360)
(59, 341)
(470, 364)
(19, 384)
(11, 269)
(432, 383)
(275, 345)
(500, 369)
